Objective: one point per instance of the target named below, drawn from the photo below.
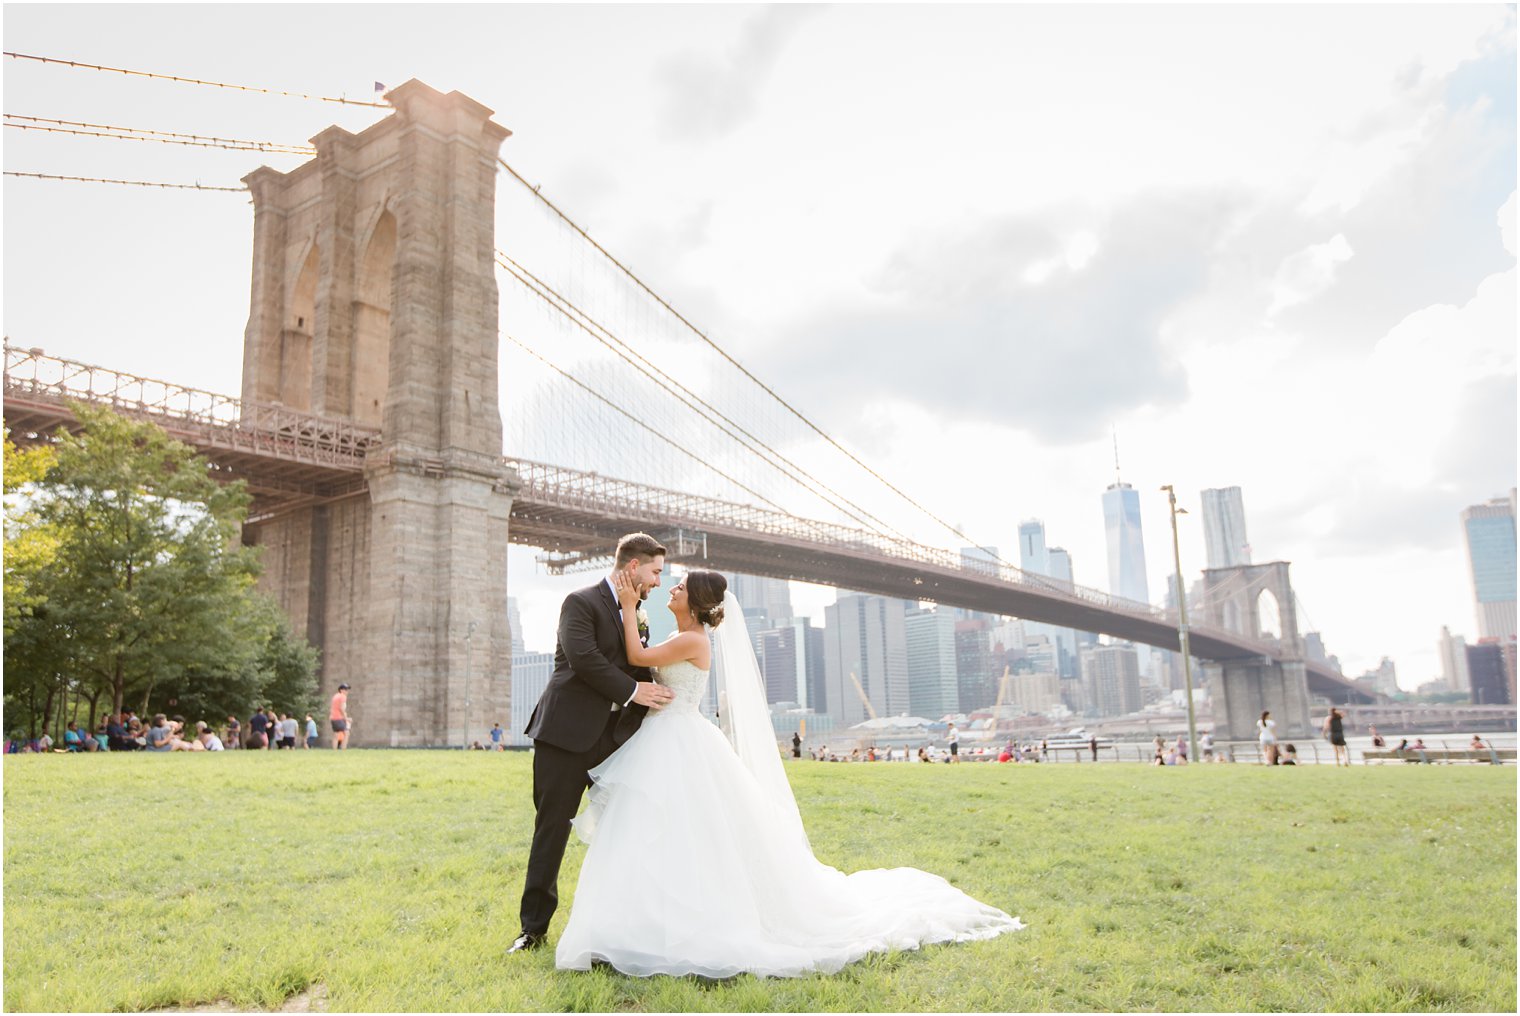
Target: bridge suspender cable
(130, 183)
(725, 355)
(765, 452)
(195, 81)
(641, 424)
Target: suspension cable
(119, 134)
(637, 422)
(131, 183)
(144, 130)
(194, 81)
(642, 364)
(735, 363)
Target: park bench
(1439, 755)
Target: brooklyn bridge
(386, 492)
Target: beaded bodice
(689, 684)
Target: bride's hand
(627, 592)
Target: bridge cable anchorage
(230, 145)
(735, 363)
(756, 446)
(640, 423)
(80, 65)
(133, 183)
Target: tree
(35, 657)
(146, 586)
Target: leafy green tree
(36, 658)
(145, 588)
(283, 674)
(289, 668)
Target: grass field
(390, 881)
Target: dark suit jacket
(591, 671)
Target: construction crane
(865, 701)
(997, 710)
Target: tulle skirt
(689, 871)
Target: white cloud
(1308, 273)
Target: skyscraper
(767, 602)
(1035, 558)
(1126, 543)
(1490, 532)
(530, 676)
(981, 559)
(1224, 528)
(514, 625)
(1032, 554)
(932, 688)
(865, 636)
(1485, 664)
(1111, 676)
(976, 684)
(1453, 650)
(791, 660)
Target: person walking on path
(1334, 729)
(1266, 728)
(337, 715)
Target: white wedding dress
(693, 868)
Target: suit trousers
(560, 781)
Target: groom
(593, 703)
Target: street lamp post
(1182, 625)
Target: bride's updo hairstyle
(704, 596)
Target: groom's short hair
(638, 545)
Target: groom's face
(646, 574)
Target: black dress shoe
(526, 941)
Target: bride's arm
(684, 646)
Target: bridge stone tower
(374, 300)
(1256, 600)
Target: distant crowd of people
(266, 730)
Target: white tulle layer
(688, 873)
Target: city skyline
(1072, 262)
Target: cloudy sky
(1270, 247)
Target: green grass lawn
(390, 880)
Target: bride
(747, 895)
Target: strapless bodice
(689, 684)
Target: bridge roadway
(291, 459)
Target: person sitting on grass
(1478, 744)
(209, 741)
(160, 735)
(178, 741)
(1290, 755)
(71, 739)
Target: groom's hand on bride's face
(652, 695)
